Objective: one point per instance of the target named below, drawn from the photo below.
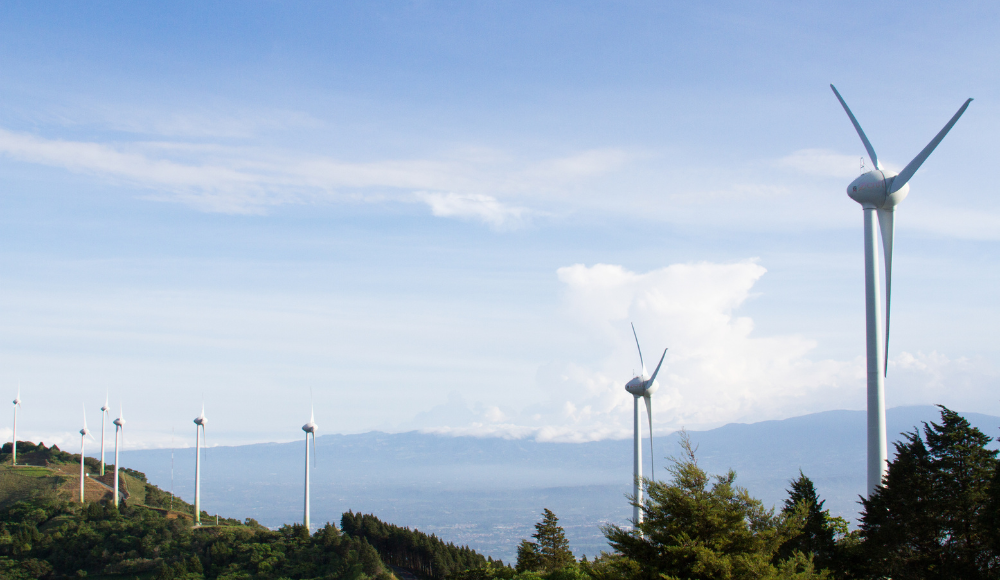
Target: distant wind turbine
(105, 411)
(879, 192)
(84, 433)
(199, 428)
(119, 427)
(310, 429)
(641, 386)
(17, 403)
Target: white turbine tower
(641, 386)
(879, 191)
(199, 428)
(84, 433)
(310, 429)
(119, 427)
(17, 403)
(105, 410)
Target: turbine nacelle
(874, 190)
(119, 422)
(200, 420)
(310, 427)
(641, 386)
(84, 431)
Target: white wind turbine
(879, 191)
(84, 433)
(119, 426)
(641, 386)
(17, 404)
(105, 411)
(199, 429)
(310, 429)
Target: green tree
(697, 528)
(930, 518)
(528, 558)
(550, 550)
(819, 530)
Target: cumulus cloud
(717, 369)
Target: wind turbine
(105, 410)
(641, 386)
(84, 433)
(310, 429)
(879, 191)
(119, 426)
(199, 428)
(17, 403)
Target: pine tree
(818, 530)
(694, 527)
(930, 519)
(550, 550)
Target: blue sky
(445, 215)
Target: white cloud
(716, 371)
(485, 208)
(219, 178)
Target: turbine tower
(119, 426)
(641, 386)
(879, 191)
(13, 448)
(310, 429)
(84, 433)
(199, 428)
(105, 410)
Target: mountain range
(487, 492)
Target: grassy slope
(48, 470)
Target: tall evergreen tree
(929, 520)
(818, 530)
(694, 527)
(550, 550)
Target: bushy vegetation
(49, 537)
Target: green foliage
(694, 527)
(47, 536)
(550, 550)
(819, 530)
(932, 517)
(411, 549)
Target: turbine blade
(885, 221)
(642, 364)
(653, 378)
(649, 411)
(857, 127)
(904, 176)
(314, 449)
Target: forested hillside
(420, 553)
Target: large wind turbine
(879, 191)
(105, 410)
(310, 429)
(641, 386)
(17, 403)
(119, 426)
(199, 428)
(84, 433)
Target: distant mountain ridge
(487, 492)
